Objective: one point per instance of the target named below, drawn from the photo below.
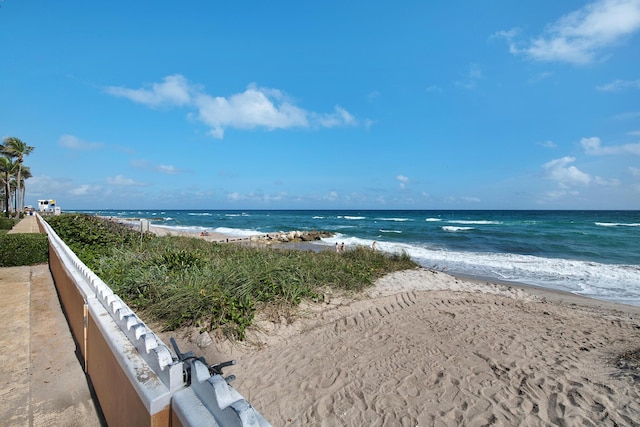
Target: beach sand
(423, 348)
(211, 237)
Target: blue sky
(333, 104)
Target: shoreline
(541, 291)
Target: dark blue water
(593, 253)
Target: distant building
(48, 206)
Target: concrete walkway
(42, 382)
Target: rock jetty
(290, 236)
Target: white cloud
(373, 95)
(84, 189)
(255, 107)
(174, 90)
(540, 76)
(234, 196)
(566, 176)
(580, 36)
(462, 199)
(166, 169)
(548, 144)
(43, 186)
(560, 194)
(618, 85)
(339, 117)
(74, 143)
(592, 146)
(470, 79)
(403, 180)
(628, 116)
(257, 197)
(607, 182)
(634, 171)
(122, 181)
(331, 196)
(249, 109)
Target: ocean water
(591, 253)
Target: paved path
(42, 382)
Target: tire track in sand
(443, 358)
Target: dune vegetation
(185, 281)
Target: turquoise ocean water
(591, 253)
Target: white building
(48, 206)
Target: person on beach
(373, 245)
(342, 248)
(337, 248)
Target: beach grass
(184, 281)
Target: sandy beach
(423, 348)
(210, 235)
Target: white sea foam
(183, 228)
(479, 222)
(352, 217)
(391, 231)
(199, 213)
(616, 224)
(317, 217)
(394, 219)
(433, 219)
(604, 281)
(454, 229)
(237, 232)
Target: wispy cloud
(403, 180)
(463, 199)
(256, 107)
(593, 146)
(257, 197)
(540, 76)
(470, 79)
(84, 190)
(618, 85)
(120, 180)
(581, 36)
(75, 143)
(161, 168)
(548, 144)
(172, 91)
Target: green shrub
(181, 281)
(7, 223)
(23, 249)
(92, 237)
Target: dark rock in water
(291, 236)
(309, 236)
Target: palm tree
(16, 148)
(8, 170)
(26, 174)
(5, 168)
